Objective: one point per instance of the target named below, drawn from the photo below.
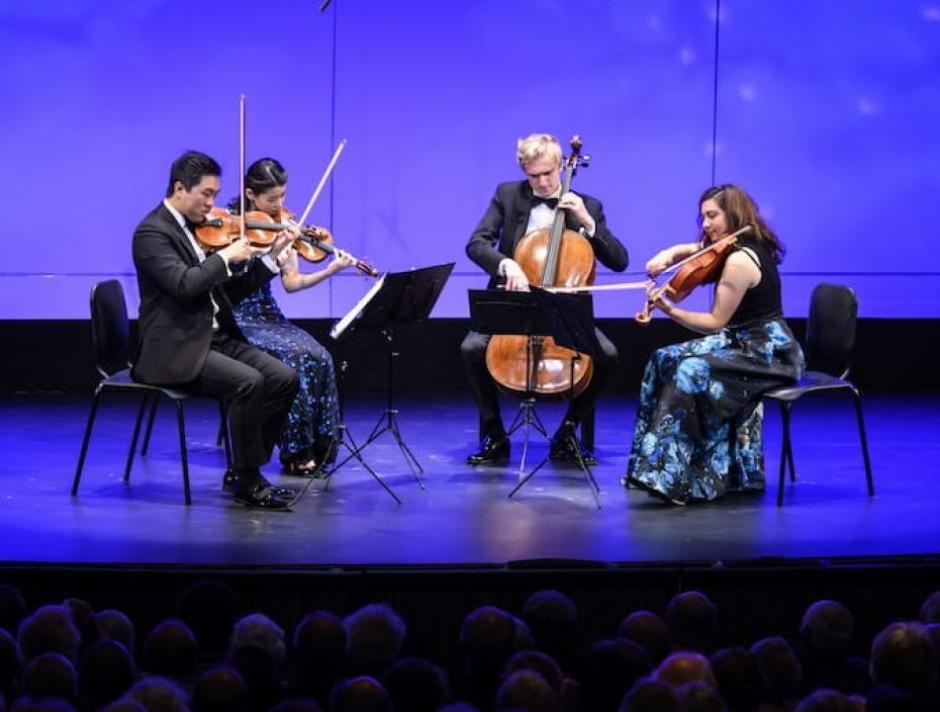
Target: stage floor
(463, 518)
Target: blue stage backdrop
(827, 112)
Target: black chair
(830, 345)
(110, 337)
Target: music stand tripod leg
(388, 420)
(353, 450)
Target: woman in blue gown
(698, 431)
(307, 437)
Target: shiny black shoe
(566, 444)
(231, 482)
(280, 492)
(260, 497)
(494, 451)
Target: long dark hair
(740, 210)
(262, 175)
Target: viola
(549, 258)
(695, 270)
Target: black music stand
(569, 320)
(399, 298)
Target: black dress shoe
(565, 446)
(260, 497)
(280, 492)
(232, 480)
(495, 449)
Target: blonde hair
(538, 145)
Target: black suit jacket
(505, 221)
(175, 323)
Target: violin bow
(326, 174)
(241, 165)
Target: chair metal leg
(864, 440)
(87, 437)
(150, 419)
(134, 437)
(786, 453)
(184, 460)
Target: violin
(693, 271)
(313, 243)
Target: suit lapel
(176, 229)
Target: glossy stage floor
(463, 517)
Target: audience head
(257, 630)
(648, 630)
(220, 689)
(538, 662)
(826, 701)
(685, 666)
(114, 624)
(738, 677)
(553, 619)
(106, 672)
(827, 629)
(157, 694)
(170, 650)
(611, 667)
(930, 610)
(320, 636)
(49, 630)
(416, 685)
(527, 690)
(903, 656)
(51, 675)
(83, 615)
(360, 694)
(697, 696)
(375, 636)
(780, 669)
(208, 608)
(319, 654)
(648, 695)
(692, 622)
(487, 637)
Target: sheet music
(343, 324)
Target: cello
(557, 257)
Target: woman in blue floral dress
(306, 440)
(698, 430)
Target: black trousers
(258, 390)
(486, 395)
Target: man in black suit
(188, 337)
(517, 209)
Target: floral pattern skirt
(698, 430)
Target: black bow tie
(550, 202)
